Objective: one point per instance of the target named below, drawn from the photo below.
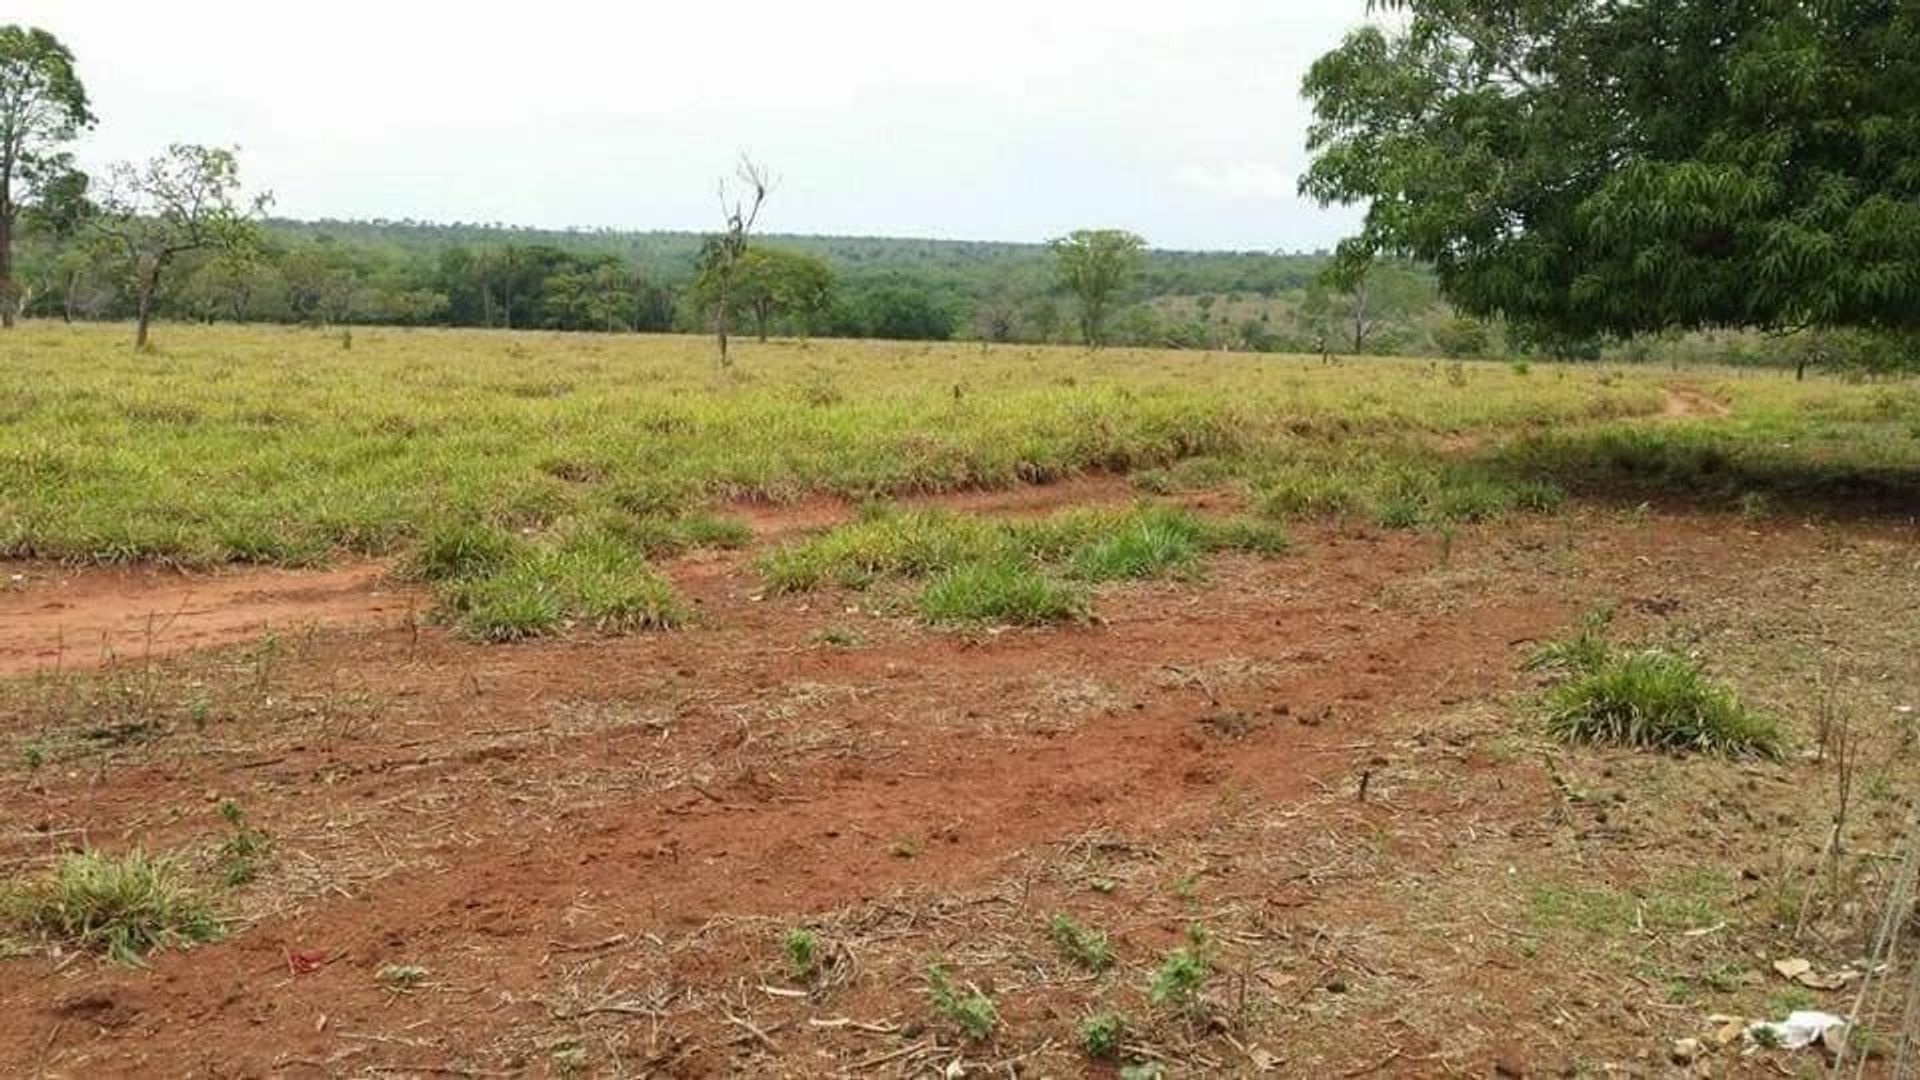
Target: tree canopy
(1093, 264)
(1609, 167)
(43, 105)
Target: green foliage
(1654, 699)
(1094, 265)
(591, 577)
(1083, 945)
(1591, 168)
(1101, 1034)
(244, 849)
(970, 1010)
(1181, 973)
(801, 947)
(122, 906)
(1000, 592)
(1460, 337)
(1582, 651)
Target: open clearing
(1279, 743)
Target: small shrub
(122, 906)
(1654, 699)
(245, 848)
(1086, 947)
(1005, 592)
(1101, 1033)
(802, 950)
(972, 1011)
(1182, 972)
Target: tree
(42, 105)
(771, 282)
(1094, 264)
(1352, 302)
(185, 200)
(1589, 167)
(722, 253)
(1459, 337)
(56, 217)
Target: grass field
(902, 709)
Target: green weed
(971, 1011)
(1101, 1034)
(123, 906)
(1084, 946)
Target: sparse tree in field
(1094, 264)
(723, 253)
(1587, 168)
(769, 282)
(42, 106)
(1353, 303)
(1461, 337)
(186, 200)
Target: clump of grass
(457, 551)
(1583, 650)
(1083, 945)
(591, 577)
(970, 1010)
(1002, 592)
(1101, 1033)
(984, 570)
(1149, 547)
(801, 947)
(1654, 699)
(122, 906)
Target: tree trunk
(149, 284)
(761, 315)
(720, 324)
(67, 299)
(6, 253)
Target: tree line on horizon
(1532, 187)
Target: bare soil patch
(591, 847)
(57, 616)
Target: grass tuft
(1657, 700)
(121, 906)
(1003, 592)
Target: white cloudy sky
(995, 119)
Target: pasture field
(501, 704)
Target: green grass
(1000, 592)
(1101, 1034)
(1015, 571)
(264, 443)
(121, 906)
(591, 578)
(1656, 700)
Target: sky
(992, 120)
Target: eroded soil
(591, 848)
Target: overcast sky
(995, 119)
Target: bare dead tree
(740, 208)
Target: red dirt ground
(491, 813)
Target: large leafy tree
(771, 282)
(1094, 265)
(1595, 167)
(186, 200)
(42, 106)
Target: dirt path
(64, 617)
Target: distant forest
(417, 274)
